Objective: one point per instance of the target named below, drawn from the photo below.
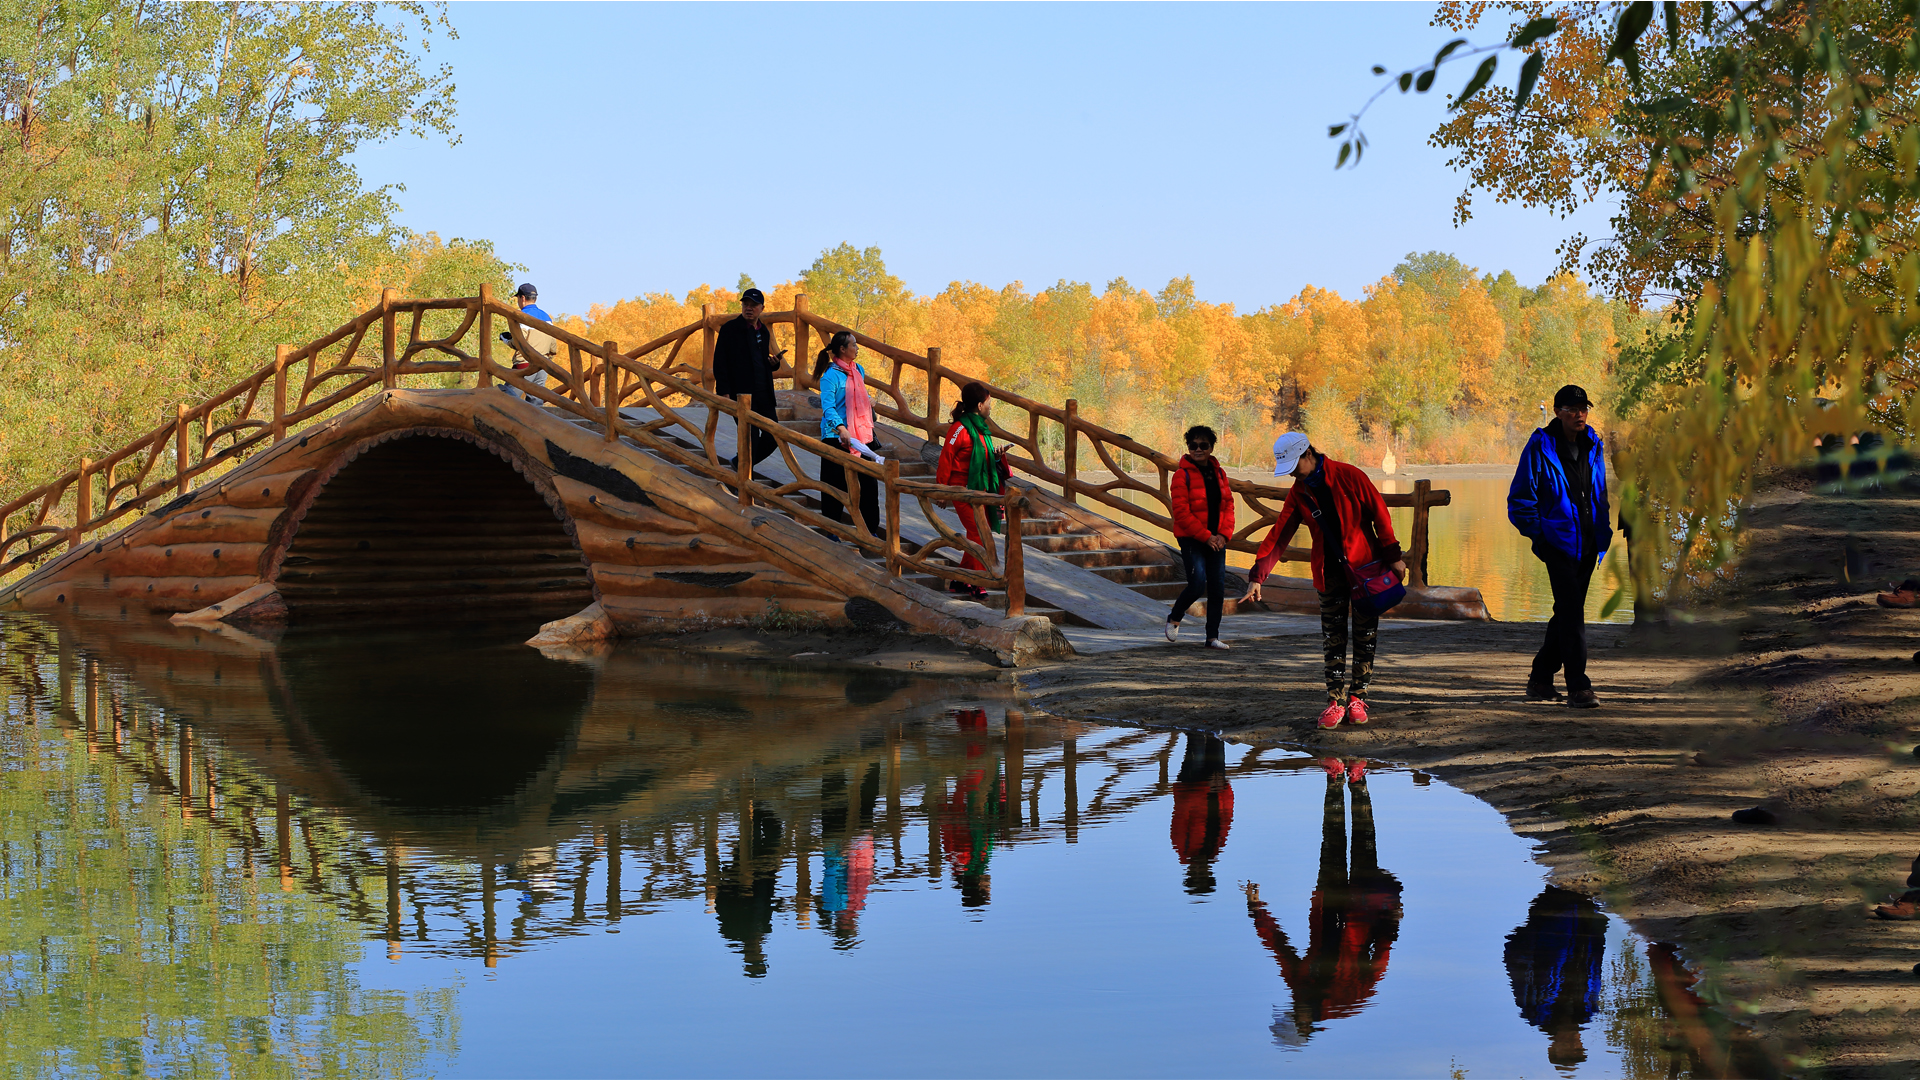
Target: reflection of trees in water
(141, 934)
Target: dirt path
(1804, 698)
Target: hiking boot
(1583, 699)
(1173, 630)
(1542, 691)
(1356, 711)
(1903, 908)
(1216, 643)
(1357, 771)
(1331, 716)
(1335, 770)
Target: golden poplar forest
(1436, 361)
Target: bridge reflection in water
(457, 792)
(464, 798)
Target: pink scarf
(859, 405)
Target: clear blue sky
(616, 149)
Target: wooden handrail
(595, 381)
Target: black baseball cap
(1571, 396)
(527, 290)
(752, 296)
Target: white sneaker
(1173, 630)
(1216, 643)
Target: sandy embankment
(1804, 697)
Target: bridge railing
(890, 382)
(306, 382)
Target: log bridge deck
(334, 483)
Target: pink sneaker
(1356, 711)
(1357, 771)
(1332, 715)
(1335, 770)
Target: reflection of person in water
(1202, 810)
(745, 907)
(966, 828)
(846, 860)
(1554, 961)
(1353, 920)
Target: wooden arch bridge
(352, 475)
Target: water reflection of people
(1202, 810)
(966, 828)
(846, 860)
(744, 895)
(1353, 919)
(1554, 960)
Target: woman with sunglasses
(1202, 523)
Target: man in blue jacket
(1559, 501)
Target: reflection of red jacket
(1351, 932)
(1187, 491)
(1201, 818)
(1366, 529)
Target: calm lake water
(1470, 542)
(399, 853)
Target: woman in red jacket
(1348, 519)
(968, 460)
(1202, 523)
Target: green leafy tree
(176, 197)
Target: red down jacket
(1188, 493)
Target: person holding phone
(744, 361)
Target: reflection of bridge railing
(587, 381)
(392, 881)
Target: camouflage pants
(1334, 610)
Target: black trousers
(1206, 573)
(833, 475)
(1566, 643)
(763, 441)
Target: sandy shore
(1803, 697)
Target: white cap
(1287, 450)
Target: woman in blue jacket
(1559, 501)
(846, 422)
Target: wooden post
(802, 362)
(486, 336)
(280, 391)
(934, 369)
(386, 337)
(82, 503)
(743, 446)
(1072, 464)
(608, 374)
(706, 346)
(893, 517)
(1417, 564)
(1015, 562)
(180, 449)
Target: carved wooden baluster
(82, 503)
(1015, 562)
(486, 336)
(180, 450)
(1072, 464)
(706, 346)
(802, 362)
(607, 393)
(386, 337)
(280, 391)
(1417, 557)
(743, 446)
(893, 516)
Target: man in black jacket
(744, 363)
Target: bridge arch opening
(426, 525)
